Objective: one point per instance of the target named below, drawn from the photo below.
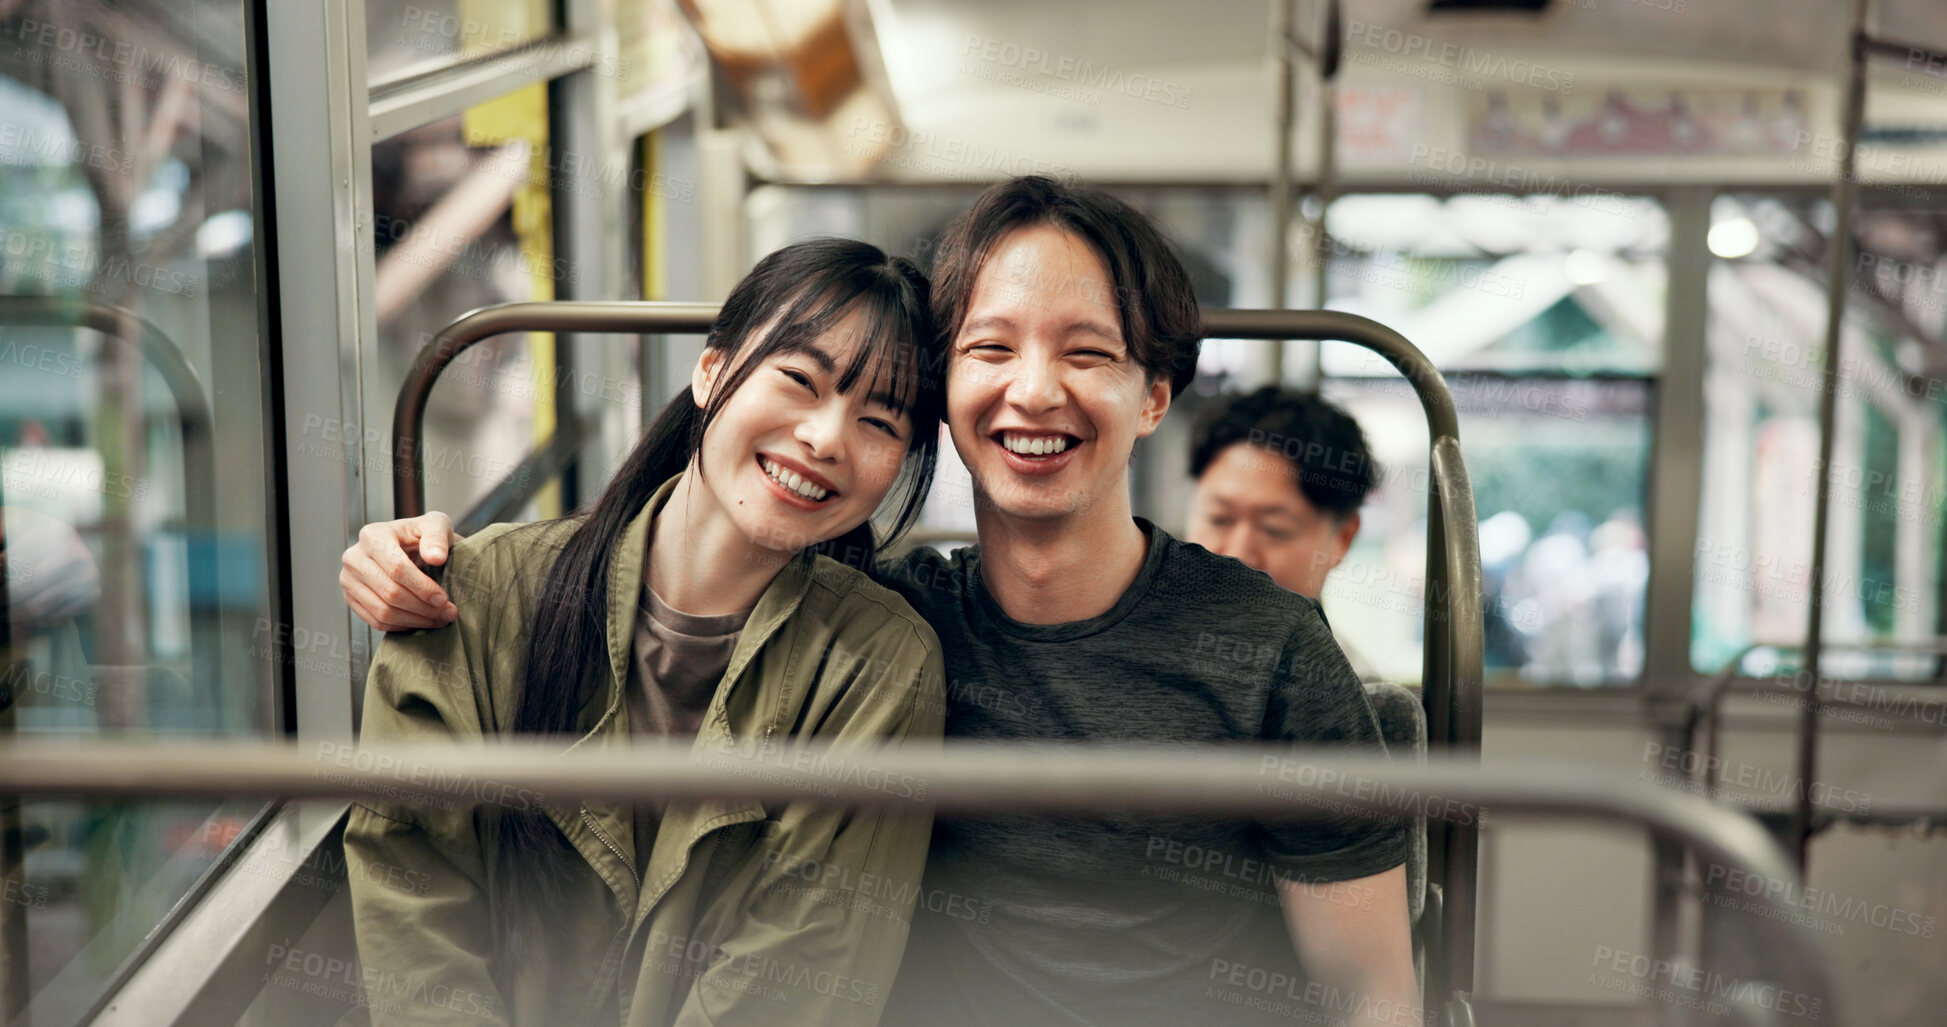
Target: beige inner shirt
(676, 662)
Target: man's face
(1248, 505)
(1044, 399)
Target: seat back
(1402, 722)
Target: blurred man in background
(1280, 476)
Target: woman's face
(792, 460)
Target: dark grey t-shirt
(1123, 918)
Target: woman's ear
(703, 379)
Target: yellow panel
(523, 114)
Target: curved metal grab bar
(1215, 780)
(1221, 780)
(1705, 703)
(193, 412)
(1452, 681)
(409, 415)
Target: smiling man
(1072, 326)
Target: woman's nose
(823, 430)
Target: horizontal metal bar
(1930, 61)
(1217, 780)
(442, 93)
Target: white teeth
(1038, 445)
(791, 480)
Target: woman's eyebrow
(889, 401)
(818, 356)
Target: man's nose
(1037, 388)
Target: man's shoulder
(1224, 586)
(932, 581)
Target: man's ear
(1155, 405)
(1348, 530)
(709, 367)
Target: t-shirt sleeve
(1316, 702)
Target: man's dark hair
(1323, 443)
(1160, 319)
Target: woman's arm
(829, 891)
(419, 887)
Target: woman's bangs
(887, 359)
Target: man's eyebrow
(1093, 327)
(981, 324)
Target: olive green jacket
(742, 913)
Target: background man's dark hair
(1323, 443)
(1160, 319)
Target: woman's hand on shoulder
(382, 577)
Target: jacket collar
(605, 720)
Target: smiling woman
(691, 578)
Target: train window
(408, 37)
(462, 219)
(1888, 473)
(133, 471)
(1544, 314)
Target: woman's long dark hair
(789, 300)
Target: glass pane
(407, 37)
(1505, 283)
(1761, 439)
(462, 218)
(1560, 470)
(132, 455)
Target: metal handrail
(193, 414)
(1212, 779)
(1705, 703)
(474, 326)
(1452, 680)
